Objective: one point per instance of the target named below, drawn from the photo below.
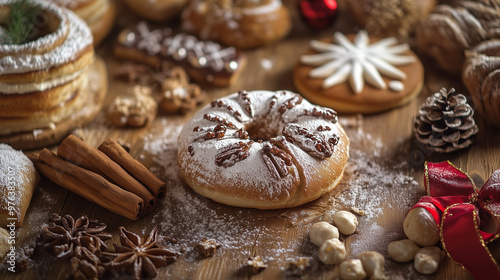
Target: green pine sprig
(20, 25)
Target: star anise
(61, 235)
(86, 265)
(137, 256)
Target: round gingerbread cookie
(359, 73)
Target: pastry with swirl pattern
(263, 149)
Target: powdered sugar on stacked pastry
(263, 149)
(359, 74)
(239, 23)
(44, 82)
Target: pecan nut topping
(276, 160)
(313, 143)
(231, 154)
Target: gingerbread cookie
(359, 74)
(204, 61)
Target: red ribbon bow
(463, 215)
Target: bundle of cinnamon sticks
(108, 176)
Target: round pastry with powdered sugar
(263, 149)
(237, 23)
(48, 84)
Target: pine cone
(445, 122)
(481, 76)
(449, 31)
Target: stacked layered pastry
(98, 14)
(44, 84)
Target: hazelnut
(420, 227)
(346, 222)
(352, 270)
(427, 260)
(402, 250)
(332, 251)
(322, 231)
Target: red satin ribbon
(462, 213)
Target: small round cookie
(156, 10)
(263, 149)
(240, 23)
(359, 74)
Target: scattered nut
(427, 260)
(136, 108)
(373, 263)
(178, 95)
(358, 211)
(208, 247)
(332, 252)
(420, 226)
(402, 250)
(346, 222)
(255, 264)
(299, 266)
(322, 231)
(352, 270)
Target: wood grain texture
(279, 236)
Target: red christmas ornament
(318, 13)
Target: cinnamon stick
(118, 154)
(82, 154)
(88, 185)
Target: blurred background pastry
(98, 14)
(156, 10)
(389, 17)
(238, 23)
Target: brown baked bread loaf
(389, 17)
(238, 23)
(449, 31)
(263, 149)
(481, 76)
(157, 10)
(18, 179)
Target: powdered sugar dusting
(367, 184)
(14, 170)
(78, 38)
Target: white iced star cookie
(359, 73)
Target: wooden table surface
(383, 178)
